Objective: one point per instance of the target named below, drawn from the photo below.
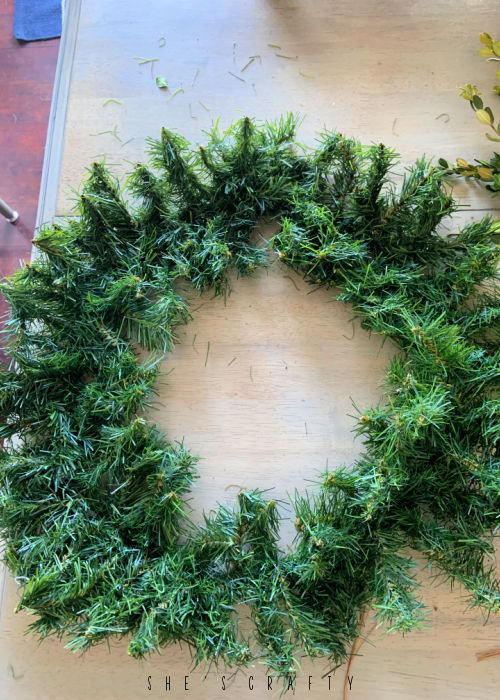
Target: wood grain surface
(378, 71)
(261, 386)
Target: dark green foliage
(92, 498)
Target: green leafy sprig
(486, 171)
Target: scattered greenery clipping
(486, 171)
(93, 510)
(161, 82)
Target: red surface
(26, 80)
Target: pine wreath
(93, 510)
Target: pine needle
(353, 332)
(111, 99)
(250, 61)
(181, 89)
(143, 61)
(287, 277)
(234, 486)
(113, 132)
(237, 77)
(208, 350)
(15, 676)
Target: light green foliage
(161, 82)
(93, 510)
(487, 171)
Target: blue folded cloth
(37, 19)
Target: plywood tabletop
(386, 71)
(262, 387)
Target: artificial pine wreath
(93, 515)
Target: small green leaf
(485, 39)
(495, 45)
(161, 82)
(497, 74)
(483, 116)
(443, 163)
(486, 52)
(485, 173)
(487, 109)
(492, 138)
(477, 102)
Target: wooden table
(274, 416)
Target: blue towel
(37, 19)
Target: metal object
(11, 215)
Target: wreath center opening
(261, 387)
